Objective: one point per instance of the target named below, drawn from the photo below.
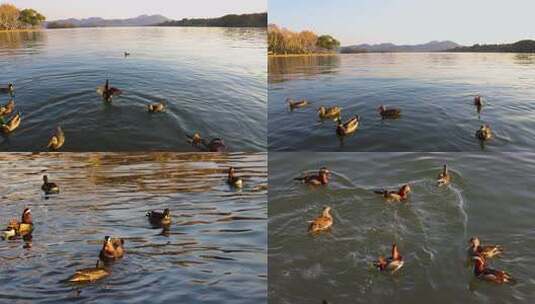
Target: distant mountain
(142, 20)
(433, 46)
(244, 20)
(522, 46)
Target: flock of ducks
(113, 248)
(477, 253)
(107, 92)
(349, 126)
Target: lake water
(214, 252)
(213, 79)
(435, 92)
(489, 197)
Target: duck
(478, 101)
(9, 89)
(112, 249)
(234, 180)
(294, 104)
(396, 196)
(160, 218)
(484, 132)
(214, 145)
(89, 274)
(12, 124)
(322, 222)
(25, 225)
(443, 177)
(329, 113)
(487, 251)
(483, 272)
(322, 178)
(156, 107)
(348, 127)
(7, 108)
(126, 54)
(108, 92)
(389, 113)
(392, 263)
(57, 140)
(49, 188)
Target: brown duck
(487, 251)
(234, 180)
(89, 274)
(8, 108)
(396, 196)
(483, 272)
(160, 218)
(214, 145)
(322, 178)
(443, 177)
(329, 113)
(11, 124)
(112, 249)
(322, 222)
(295, 104)
(57, 140)
(156, 107)
(25, 225)
(348, 127)
(108, 92)
(484, 133)
(392, 263)
(389, 113)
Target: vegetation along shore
(284, 42)
(13, 18)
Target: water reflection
(282, 69)
(20, 40)
(214, 247)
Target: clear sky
(174, 9)
(409, 21)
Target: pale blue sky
(174, 9)
(409, 21)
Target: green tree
(328, 42)
(31, 17)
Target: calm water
(489, 197)
(214, 252)
(213, 79)
(435, 92)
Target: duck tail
(302, 178)
(379, 191)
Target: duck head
(324, 174)
(474, 242)
(10, 87)
(196, 139)
(231, 172)
(326, 211)
(321, 110)
(45, 179)
(26, 216)
(381, 263)
(166, 214)
(405, 189)
(381, 108)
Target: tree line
(282, 41)
(244, 20)
(11, 18)
(523, 46)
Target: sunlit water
(213, 79)
(214, 251)
(489, 197)
(435, 92)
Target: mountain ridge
(432, 46)
(141, 20)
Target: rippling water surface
(213, 79)
(489, 197)
(214, 251)
(434, 90)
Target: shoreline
(302, 55)
(20, 30)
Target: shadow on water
(281, 69)
(214, 250)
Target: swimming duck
(156, 107)
(126, 54)
(478, 101)
(25, 225)
(49, 188)
(329, 113)
(112, 249)
(7, 108)
(484, 132)
(89, 274)
(348, 127)
(108, 92)
(322, 222)
(322, 178)
(234, 180)
(12, 124)
(57, 140)
(487, 251)
(10, 89)
(444, 177)
(393, 263)
(482, 272)
(389, 113)
(294, 104)
(396, 196)
(215, 145)
(159, 218)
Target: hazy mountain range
(433, 46)
(100, 22)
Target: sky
(109, 9)
(409, 21)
